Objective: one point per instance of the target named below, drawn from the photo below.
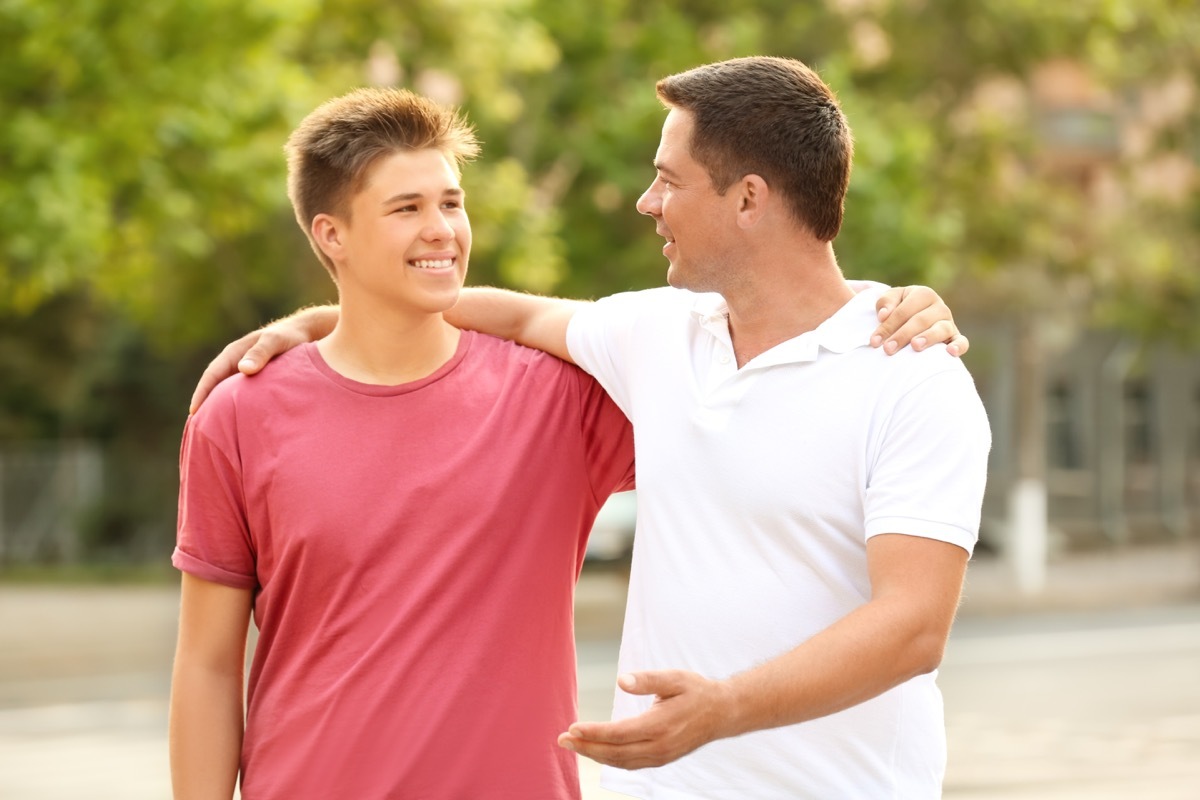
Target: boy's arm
(917, 316)
(206, 717)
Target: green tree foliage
(143, 158)
(139, 139)
(1059, 145)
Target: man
(808, 506)
(800, 550)
(404, 507)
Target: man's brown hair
(775, 118)
(332, 150)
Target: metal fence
(46, 490)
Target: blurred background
(1036, 163)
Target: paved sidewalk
(1130, 576)
(84, 671)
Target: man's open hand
(250, 353)
(689, 711)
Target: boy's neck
(388, 349)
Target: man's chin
(677, 279)
(674, 279)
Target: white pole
(1028, 537)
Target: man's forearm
(531, 320)
(316, 321)
(899, 634)
(875, 648)
(896, 636)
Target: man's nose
(650, 203)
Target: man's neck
(387, 348)
(783, 300)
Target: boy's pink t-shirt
(413, 551)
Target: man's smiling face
(687, 211)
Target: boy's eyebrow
(406, 196)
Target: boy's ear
(327, 233)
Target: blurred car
(611, 539)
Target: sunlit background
(1036, 162)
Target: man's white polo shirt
(757, 491)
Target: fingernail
(918, 342)
(626, 681)
(883, 313)
(876, 340)
(891, 347)
(246, 362)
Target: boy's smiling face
(407, 238)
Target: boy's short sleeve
(607, 439)
(213, 536)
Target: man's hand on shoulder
(916, 315)
(250, 353)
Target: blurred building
(1121, 437)
(1105, 424)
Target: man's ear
(753, 198)
(327, 233)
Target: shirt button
(724, 359)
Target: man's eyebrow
(665, 170)
(404, 197)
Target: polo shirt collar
(849, 328)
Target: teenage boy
(402, 506)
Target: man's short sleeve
(928, 472)
(599, 337)
(213, 536)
